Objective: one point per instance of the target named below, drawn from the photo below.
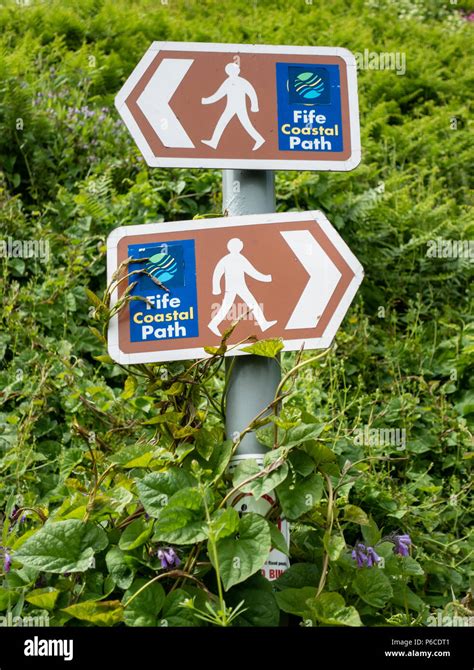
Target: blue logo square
(309, 107)
(169, 311)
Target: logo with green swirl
(308, 85)
(162, 267)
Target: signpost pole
(253, 379)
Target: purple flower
(372, 557)
(365, 556)
(402, 544)
(359, 555)
(7, 559)
(168, 558)
(7, 562)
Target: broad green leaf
(285, 421)
(101, 613)
(299, 575)
(43, 598)
(385, 550)
(248, 467)
(404, 597)
(275, 477)
(294, 601)
(142, 461)
(242, 556)
(180, 526)
(168, 417)
(63, 546)
(119, 498)
(156, 488)
(69, 459)
(330, 609)
(261, 485)
(175, 388)
(307, 417)
(268, 348)
(372, 586)
(134, 535)
(23, 538)
(174, 615)
(261, 608)
(278, 541)
(8, 597)
(103, 358)
(120, 567)
(300, 495)
(371, 533)
(301, 462)
(206, 441)
(179, 432)
(266, 435)
(22, 577)
(319, 453)
(183, 520)
(225, 523)
(144, 609)
(129, 388)
(188, 497)
(183, 450)
(134, 456)
(410, 566)
(402, 565)
(219, 459)
(356, 515)
(334, 545)
(301, 434)
(96, 587)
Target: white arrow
(155, 98)
(323, 279)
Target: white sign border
(241, 163)
(180, 354)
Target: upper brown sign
(244, 106)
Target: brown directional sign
(244, 107)
(276, 275)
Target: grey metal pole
(253, 379)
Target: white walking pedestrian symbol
(236, 89)
(234, 266)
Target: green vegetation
(106, 473)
